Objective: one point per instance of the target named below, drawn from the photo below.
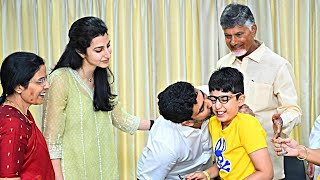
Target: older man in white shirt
(269, 79)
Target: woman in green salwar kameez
(81, 107)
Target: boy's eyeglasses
(224, 99)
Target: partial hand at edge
(310, 171)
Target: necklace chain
(17, 107)
(84, 75)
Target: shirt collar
(255, 55)
(187, 131)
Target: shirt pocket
(258, 94)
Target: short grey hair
(236, 15)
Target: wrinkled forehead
(236, 29)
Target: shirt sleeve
(284, 89)
(314, 138)
(158, 162)
(13, 145)
(252, 135)
(54, 115)
(121, 119)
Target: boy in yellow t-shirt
(239, 141)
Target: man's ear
(187, 123)
(80, 54)
(241, 100)
(254, 30)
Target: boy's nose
(218, 105)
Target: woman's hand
(285, 147)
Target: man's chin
(239, 53)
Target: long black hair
(80, 35)
(18, 69)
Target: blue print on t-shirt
(219, 148)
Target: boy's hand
(277, 125)
(196, 175)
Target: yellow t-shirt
(233, 145)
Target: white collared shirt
(173, 149)
(314, 141)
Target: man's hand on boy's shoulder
(246, 110)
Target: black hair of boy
(227, 79)
(176, 102)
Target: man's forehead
(235, 29)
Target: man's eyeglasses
(224, 99)
(42, 81)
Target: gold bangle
(207, 174)
(307, 153)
